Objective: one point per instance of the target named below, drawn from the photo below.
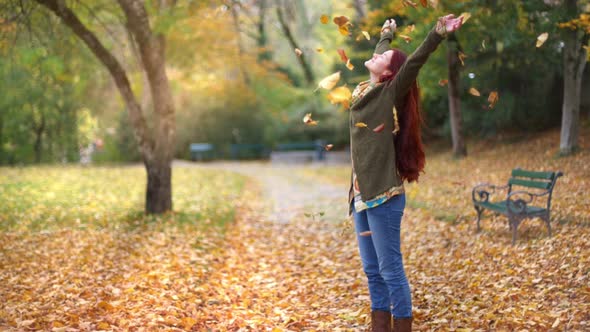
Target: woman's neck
(373, 78)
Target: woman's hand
(448, 24)
(389, 24)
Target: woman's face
(379, 62)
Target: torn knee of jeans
(365, 233)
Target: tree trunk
(459, 149)
(156, 150)
(39, 130)
(360, 6)
(309, 77)
(574, 61)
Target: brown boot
(402, 325)
(380, 321)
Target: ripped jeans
(381, 256)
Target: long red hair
(409, 150)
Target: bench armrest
(519, 205)
(481, 192)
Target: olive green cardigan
(373, 154)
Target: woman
(386, 150)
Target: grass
(48, 198)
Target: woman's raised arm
(386, 36)
(409, 71)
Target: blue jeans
(382, 258)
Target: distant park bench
(517, 204)
(249, 151)
(202, 151)
(299, 151)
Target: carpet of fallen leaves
(304, 274)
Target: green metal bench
(517, 203)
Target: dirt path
(290, 264)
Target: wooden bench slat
(517, 172)
(502, 207)
(529, 183)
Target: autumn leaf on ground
(360, 125)
(379, 128)
(474, 92)
(298, 52)
(324, 19)
(342, 54)
(493, 99)
(466, 16)
(407, 39)
(329, 147)
(309, 121)
(443, 82)
(542, 38)
(462, 57)
(329, 82)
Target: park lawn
(478, 281)
(77, 251)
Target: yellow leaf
(340, 95)
(462, 57)
(366, 34)
(466, 16)
(360, 125)
(330, 81)
(105, 306)
(324, 19)
(406, 38)
(343, 30)
(443, 82)
(474, 92)
(555, 323)
(410, 28)
(298, 52)
(103, 326)
(188, 322)
(493, 99)
(309, 121)
(319, 50)
(349, 65)
(542, 39)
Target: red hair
(409, 150)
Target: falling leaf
(341, 21)
(542, 39)
(474, 92)
(424, 3)
(360, 125)
(366, 34)
(298, 52)
(443, 82)
(483, 44)
(330, 81)
(342, 54)
(349, 65)
(493, 99)
(410, 28)
(324, 19)
(319, 50)
(340, 95)
(406, 38)
(329, 147)
(309, 121)
(344, 30)
(465, 16)
(365, 233)
(462, 57)
(379, 128)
